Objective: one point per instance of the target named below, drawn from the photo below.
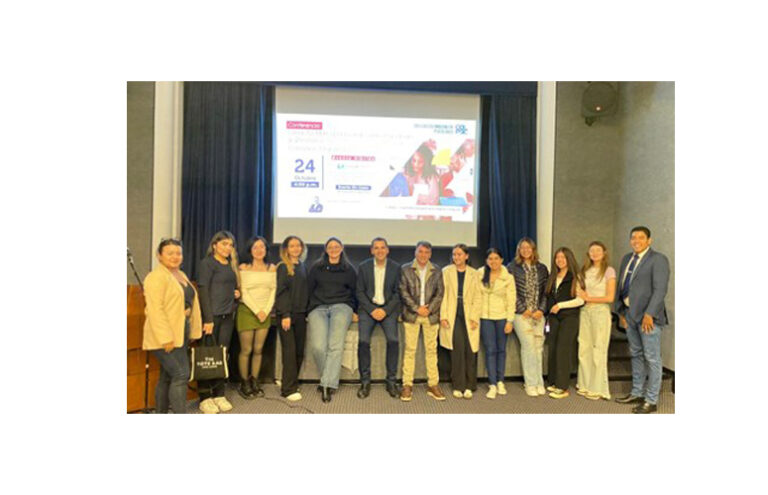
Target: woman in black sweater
(218, 284)
(563, 320)
(291, 301)
(331, 283)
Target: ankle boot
(245, 390)
(257, 391)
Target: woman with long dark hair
(291, 311)
(332, 283)
(419, 177)
(563, 319)
(595, 323)
(258, 286)
(459, 321)
(172, 320)
(218, 284)
(530, 281)
(496, 318)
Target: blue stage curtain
(227, 163)
(511, 171)
(226, 166)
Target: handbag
(208, 361)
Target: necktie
(628, 277)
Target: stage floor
(345, 401)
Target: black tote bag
(208, 361)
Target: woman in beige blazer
(172, 320)
(460, 321)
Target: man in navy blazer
(643, 280)
(378, 279)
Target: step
(618, 348)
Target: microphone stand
(146, 409)
(135, 273)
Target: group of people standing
(457, 306)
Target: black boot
(393, 390)
(326, 394)
(245, 390)
(257, 391)
(365, 390)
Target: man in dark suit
(643, 280)
(378, 279)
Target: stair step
(618, 348)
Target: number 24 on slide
(305, 176)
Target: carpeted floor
(345, 401)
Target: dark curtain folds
(226, 167)
(512, 171)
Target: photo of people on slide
(457, 184)
(433, 182)
(419, 177)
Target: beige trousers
(594, 337)
(430, 346)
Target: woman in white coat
(460, 321)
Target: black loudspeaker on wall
(599, 100)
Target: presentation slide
(375, 168)
(361, 171)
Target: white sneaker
(222, 403)
(491, 392)
(541, 390)
(467, 394)
(209, 407)
(501, 388)
(531, 391)
(294, 397)
(457, 394)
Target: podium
(143, 368)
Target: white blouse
(597, 287)
(258, 290)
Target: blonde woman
(218, 284)
(259, 284)
(595, 323)
(499, 297)
(173, 319)
(460, 321)
(530, 281)
(291, 303)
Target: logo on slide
(316, 207)
(461, 129)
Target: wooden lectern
(142, 375)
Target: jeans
(530, 333)
(171, 387)
(495, 342)
(327, 329)
(645, 349)
(365, 328)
